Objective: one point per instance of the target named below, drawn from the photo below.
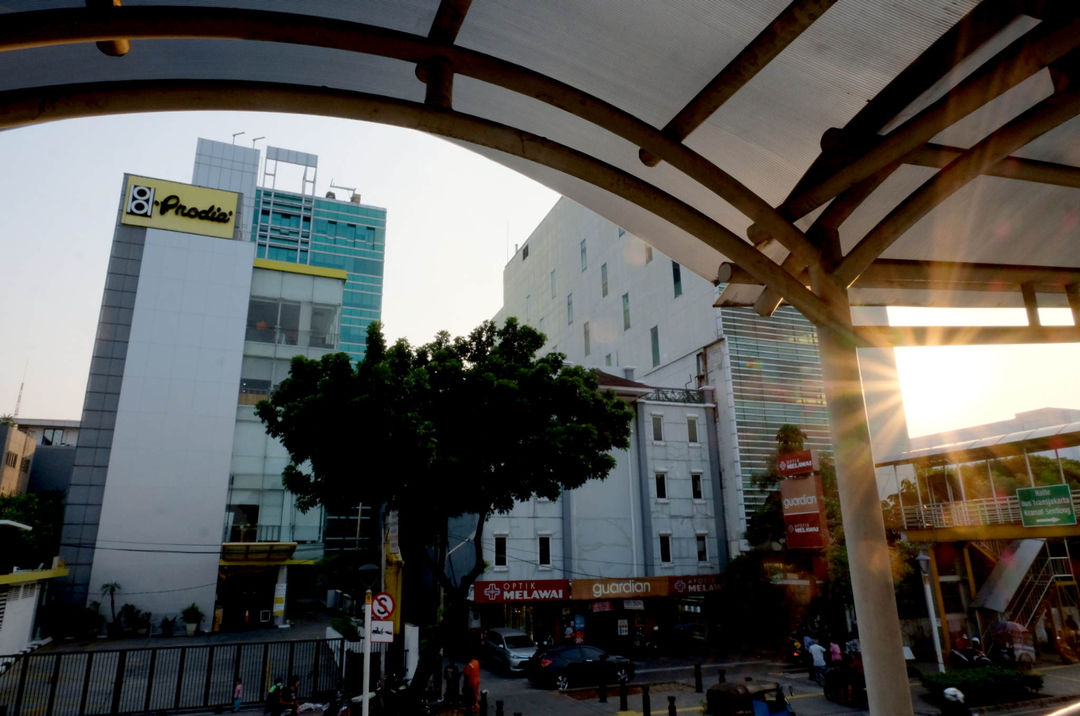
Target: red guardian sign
(803, 462)
(529, 590)
(803, 500)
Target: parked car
(577, 665)
(508, 650)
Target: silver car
(508, 650)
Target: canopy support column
(864, 529)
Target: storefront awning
(238, 553)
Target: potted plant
(192, 617)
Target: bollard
(498, 707)
(646, 707)
(603, 690)
(483, 702)
(671, 710)
(624, 694)
(697, 679)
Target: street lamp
(924, 566)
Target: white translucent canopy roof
(569, 92)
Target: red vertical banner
(803, 500)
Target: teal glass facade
(330, 233)
(775, 381)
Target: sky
(454, 219)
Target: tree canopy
(459, 426)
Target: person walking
(817, 655)
(472, 686)
(237, 695)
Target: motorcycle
(968, 657)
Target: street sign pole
(367, 653)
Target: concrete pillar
(864, 529)
(279, 594)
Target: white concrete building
(183, 344)
(608, 300)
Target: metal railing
(677, 395)
(983, 511)
(119, 681)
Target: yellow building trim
(988, 532)
(264, 563)
(270, 265)
(33, 575)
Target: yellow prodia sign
(160, 204)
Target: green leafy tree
(463, 426)
(43, 512)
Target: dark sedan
(574, 665)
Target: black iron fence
(119, 681)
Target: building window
(654, 339)
(584, 256)
(661, 486)
(691, 428)
(553, 283)
(52, 436)
(622, 232)
(269, 321)
(626, 311)
(24, 466)
(588, 348)
(676, 278)
(607, 360)
(323, 334)
(544, 551)
(703, 548)
(699, 361)
(528, 308)
(524, 252)
(665, 549)
(658, 427)
(11, 459)
(500, 550)
(648, 254)
(603, 280)
(695, 485)
(569, 309)
(628, 373)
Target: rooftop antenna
(235, 135)
(22, 383)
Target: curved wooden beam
(54, 27)
(1038, 49)
(1036, 121)
(23, 107)
(763, 49)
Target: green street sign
(1048, 506)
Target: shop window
(702, 548)
(544, 550)
(661, 486)
(500, 550)
(665, 549)
(695, 486)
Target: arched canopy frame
(937, 175)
